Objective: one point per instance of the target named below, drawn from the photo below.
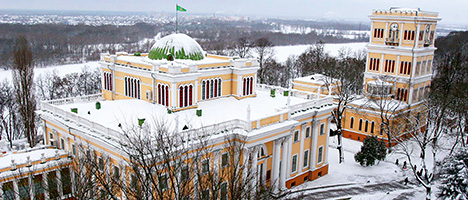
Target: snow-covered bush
(454, 176)
(371, 150)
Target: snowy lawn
(350, 172)
(61, 70)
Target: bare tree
(23, 78)
(390, 111)
(265, 52)
(241, 47)
(9, 119)
(344, 80)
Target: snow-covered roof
(318, 79)
(179, 45)
(35, 157)
(127, 112)
(379, 83)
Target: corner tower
(400, 53)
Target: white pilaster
(276, 164)
(245, 163)
(313, 146)
(254, 169)
(173, 94)
(401, 33)
(284, 163)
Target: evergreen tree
(371, 150)
(454, 176)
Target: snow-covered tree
(371, 150)
(454, 176)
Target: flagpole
(176, 16)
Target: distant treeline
(54, 44)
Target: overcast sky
(451, 11)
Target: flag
(178, 8)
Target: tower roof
(180, 46)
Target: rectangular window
(74, 149)
(184, 174)
(162, 181)
(23, 188)
(320, 155)
(62, 143)
(294, 164)
(306, 158)
(322, 129)
(66, 181)
(224, 160)
(224, 191)
(205, 195)
(8, 190)
(296, 136)
(307, 134)
(116, 173)
(52, 184)
(38, 187)
(205, 166)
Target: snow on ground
(61, 70)
(350, 172)
(283, 52)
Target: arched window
(351, 125)
(203, 90)
(207, 96)
(159, 94)
(185, 96)
(372, 127)
(126, 87)
(215, 88)
(360, 124)
(181, 96)
(190, 95)
(251, 86)
(367, 124)
(167, 96)
(219, 86)
(211, 88)
(244, 86)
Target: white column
(371, 36)
(31, 185)
(15, 188)
(59, 183)
(328, 139)
(245, 163)
(276, 163)
(254, 170)
(382, 61)
(397, 68)
(46, 185)
(195, 93)
(284, 163)
(418, 29)
(216, 163)
(301, 150)
(123, 173)
(173, 93)
(313, 146)
(195, 179)
(385, 32)
(401, 33)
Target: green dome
(180, 46)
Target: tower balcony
(392, 41)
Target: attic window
(185, 128)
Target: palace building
(398, 72)
(285, 133)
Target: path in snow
(391, 190)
